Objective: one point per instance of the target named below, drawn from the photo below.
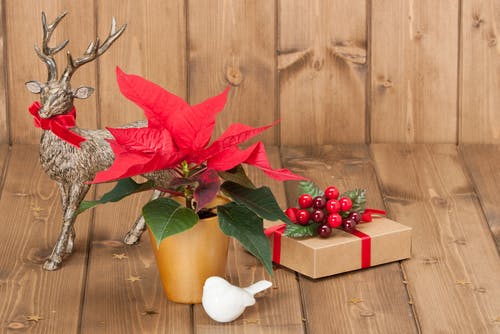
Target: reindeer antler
(47, 53)
(94, 50)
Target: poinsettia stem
(188, 194)
(188, 190)
(169, 191)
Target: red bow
(60, 125)
(277, 232)
(368, 213)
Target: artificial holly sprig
(319, 212)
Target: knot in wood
(477, 20)
(366, 313)
(439, 201)
(480, 289)
(38, 255)
(234, 75)
(349, 52)
(387, 83)
(430, 260)
(317, 64)
(16, 325)
(492, 42)
(419, 35)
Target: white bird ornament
(225, 302)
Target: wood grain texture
(480, 77)
(233, 43)
(278, 309)
(322, 78)
(4, 129)
(414, 74)
(31, 221)
(4, 158)
(24, 30)
(153, 46)
(482, 163)
(384, 307)
(453, 273)
(112, 303)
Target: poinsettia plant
(178, 137)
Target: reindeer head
(56, 95)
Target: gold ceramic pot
(185, 260)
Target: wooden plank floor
(448, 195)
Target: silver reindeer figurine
(72, 167)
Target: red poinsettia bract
(178, 132)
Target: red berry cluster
(326, 211)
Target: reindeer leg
(65, 189)
(139, 226)
(74, 194)
(70, 243)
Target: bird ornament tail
(258, 287)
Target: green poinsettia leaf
(309, 187)
(237, 175)
(166, 217)
(246, 227)
(122, 189)
(261, 201)
(301, 231)
(358, 198)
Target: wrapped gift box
(377, 242)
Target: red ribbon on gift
(277, 232)
(60, 125)
(366, 248)
(366, 241)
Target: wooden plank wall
(333, 70)
(235, 46)
(414, 71)
(322, 63)
(480, 66)
(24, 65)
(154, 47)
(4, 134)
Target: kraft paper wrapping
(341, 252)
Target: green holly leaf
(122, 189)
(309, 187)
(261, 201)
(301, 231)
(358, 198)
(245, 226)
(237, 175)
(166, 217)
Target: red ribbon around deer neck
(60, 125)
(277, 231)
